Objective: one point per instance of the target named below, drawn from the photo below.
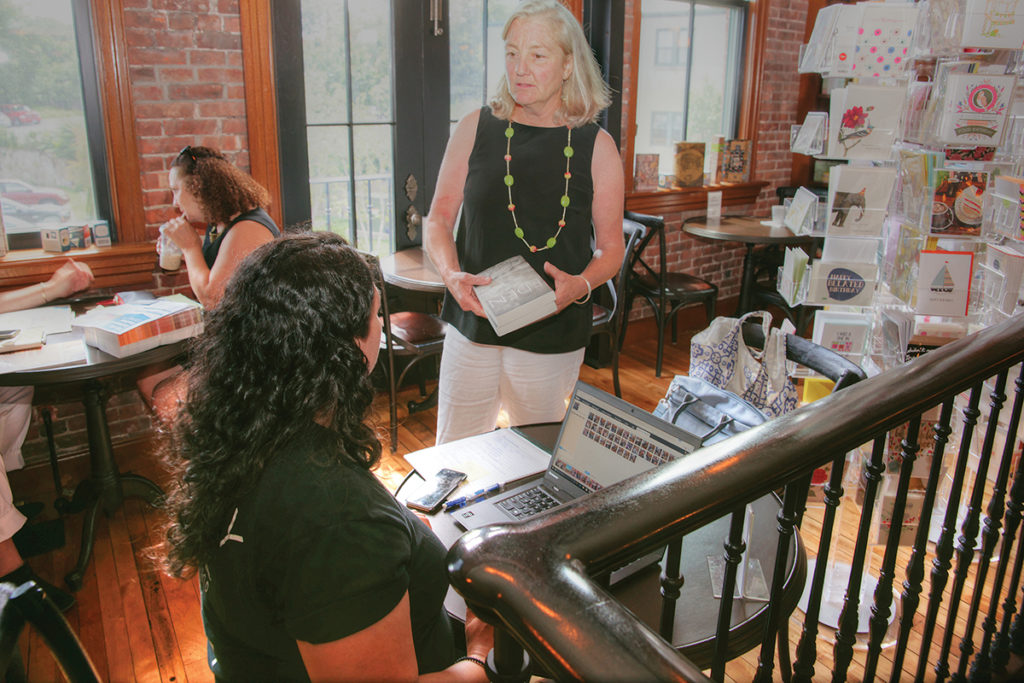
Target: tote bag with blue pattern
(719, 356)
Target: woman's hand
(461, 284)
(69, 278)
(479, 637)
(568, 288)
(181, 232)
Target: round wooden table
(106, 486)
(749, 231)
(412, 269)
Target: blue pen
(454, 503)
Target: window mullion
(689, 69)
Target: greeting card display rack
(924, 222)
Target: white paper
(715, 204)
(498, 457)
(55, 355)
(51, 319)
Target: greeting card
(800, 213)
(858, 199)
(1009, 262)
(993, 24)
(843, 332)
(883, 40)
(903, 272)
(735, 161)
(957, 202)
(843, 283)
(689, 164)
(645, 177)
(863, 121)
(944, 282)
(974, 108)
(1008, 207)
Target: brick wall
(186, 76)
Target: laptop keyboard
(528, 503)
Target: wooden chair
(409, 335)
(609, 321)
(666, 292)
(28, 604)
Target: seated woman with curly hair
(209, 190)
(309, 568)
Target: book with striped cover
(131, 328)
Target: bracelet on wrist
(471, 658)
(585, 299)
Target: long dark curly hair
(222, 188)
(279, 352)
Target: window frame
(695, 198)
(110, 116)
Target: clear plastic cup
(170, 254)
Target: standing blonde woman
(534, 175)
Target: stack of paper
(132, 328)
(516, 295)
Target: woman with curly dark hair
(309, 568)
(207, 188)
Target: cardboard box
(56, 239)
(81, 236)
(101, 234)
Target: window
(379, 91)
(670, 47)
(47, 175)
(689, 73)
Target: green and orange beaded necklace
(509, 181)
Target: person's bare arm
(606, 211)
(439, 225)
(66, 280)
(208, 283)
(385, 652)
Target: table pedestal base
(106, 488)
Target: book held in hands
(516, 295)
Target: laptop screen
(605, 440)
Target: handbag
(702, 409)
(719, 356)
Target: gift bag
(719, 355)
(702, 409)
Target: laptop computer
(603, 440)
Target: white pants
(15, 415)
(478, 380)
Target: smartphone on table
(429, 496)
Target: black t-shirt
(211, 244)
(486, 232)
(318, 551)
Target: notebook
(603, 440)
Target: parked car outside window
(20, 115)
(22, 192)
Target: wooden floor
(140, 625)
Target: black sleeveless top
(485, 233)
(211, 247)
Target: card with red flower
(864, 121)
